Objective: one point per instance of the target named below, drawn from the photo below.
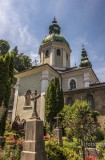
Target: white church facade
(77, 82)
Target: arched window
(69, 101)
(58, 52)
(72, 84)
(47, 53)
(90, 99)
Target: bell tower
(54, 49)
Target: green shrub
(99, 134)
(55, 152)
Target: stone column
(34, 146)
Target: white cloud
(34, 56)
(12, 29)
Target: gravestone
(34, 146)
(58, 131)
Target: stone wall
(98, 94)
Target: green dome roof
(55, 38)
(54, 34)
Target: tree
(21, 61)
(81, 120)
(4, 47)
(9, 60)
(59, 95)
(54, 100)
(50, 102)
(6, 80)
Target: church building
(79, 82)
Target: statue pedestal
(34, 147)
(58, 134)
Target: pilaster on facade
(42, 107)
(44, 85)
(52, 58)
(87, 79)
(16, 99)
(64, 59)
(44, 80)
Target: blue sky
(24, 23)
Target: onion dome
(54, 34)
(84, 60)
(54, 27)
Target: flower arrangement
(12, 149)
(90, 158)
(10, 141)
(46, 137)
(19, 143)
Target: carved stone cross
(57, 121)
(35, 114)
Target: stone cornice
(35, 70)
(55, 44)
(79, 70)
(88, 89)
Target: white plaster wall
(24, 112)
(79, 79)
(32, 82)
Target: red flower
(46, 137)
(90, 158)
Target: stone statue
(35, 114)
(28, 98)
(18, 125)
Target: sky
(24, 23)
